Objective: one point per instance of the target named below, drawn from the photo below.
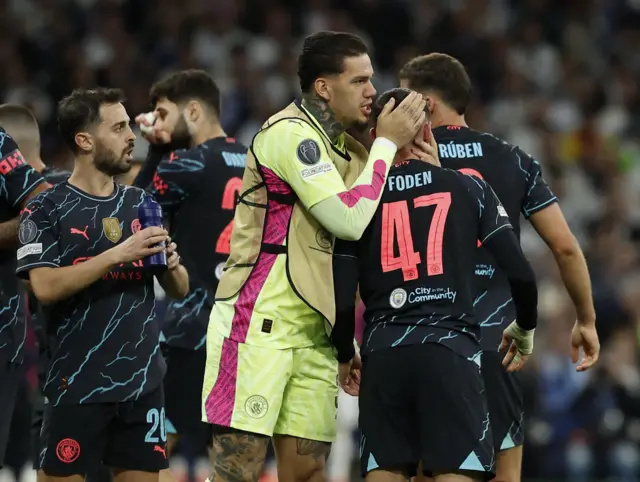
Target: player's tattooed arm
(324, 115)
(238, 456)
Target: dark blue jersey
(197, 189)
(104, 340)
(417, 258)
(517, 180)
(17, 180)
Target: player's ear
(431, 104)
(322, 88)
(192, 111)
(372, 133)
(84, 141)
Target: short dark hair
(186, 85)
(323, 53)
(81, 109)
(443, 74)
(16, 113)
(398, 94)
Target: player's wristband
(521, 337)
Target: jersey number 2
(232, 188)
(396, 226)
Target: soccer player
(197, 188)
(18, 182)
(22, 126)
(271, 368)
(82, 250)
(517, 180)
(415, 265)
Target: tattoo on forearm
(317, 450)
(239, 457)
(324, 115)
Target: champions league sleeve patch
(308, 152)
(27, 231)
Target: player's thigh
(505, 401)
(307, 422)
(36, 427)
(454, 427)
(310, 401)
(73, 438)
(386, 476)
(244, 385)
(238, 456)
(10, 379)
(137, 436)
(509, 465)
(183, 397)
(387, 416)
(461, 476)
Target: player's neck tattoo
(319, 109)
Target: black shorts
(127, 436)
(10, 379)
(38, 402)
(183, 395)
(424, 403)
(505, 401)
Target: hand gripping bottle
(150, 214)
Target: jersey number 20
(396, 226)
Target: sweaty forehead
(358, 66)
(113, 113)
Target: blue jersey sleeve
(177, 176)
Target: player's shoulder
(491, 145)
(503, 149)
(51, 198)
(285, 126)
(54, 175)
(7, 144)
(232, 152)
(290, 120)
(475, 186)
(129, 191)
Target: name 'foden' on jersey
(408, 181)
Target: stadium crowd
(559, 78)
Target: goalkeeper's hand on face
(519, 343)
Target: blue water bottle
(150, 214)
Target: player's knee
(507, 477)
(238, 456)
(421, 478)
